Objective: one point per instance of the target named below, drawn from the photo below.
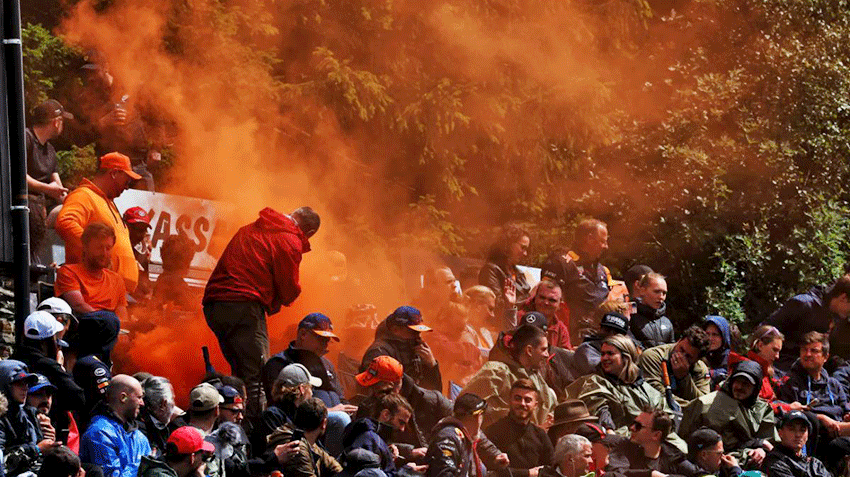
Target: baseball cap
(56, 305)
(616, 322)
(791, 416)
(319, 324)
(230, 395)
(42, 383)
(702, 438)
(119, 162)
(469, 405)
(534, 318)
(295, 374)
(407, 316)
(41, 325)
(137, 215)
(18, 370)
(594, 433)
(382, 368)
(204, 397)
(743, 374)
(188, 440)
(50, 109)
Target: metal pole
(13, 59)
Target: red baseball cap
(188, 440)
(137, 215)
(382, 368)
(119, 162)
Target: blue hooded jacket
(718, 360)
(365, 434)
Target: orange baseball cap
(382, 368)
(118, 162)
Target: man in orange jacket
(92, 202)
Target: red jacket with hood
(260, 263)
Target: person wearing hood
(20, 434)
(39, 350)
(688, 374)
(585, 282)
(736, 412)
(315, 332)
(399, 336)
(617, 393)
(375, 433)
(818, 310)
(765, 344)
(649, 324)
(257, 273)
(113, 441)
(92, 202)
(719, 346)
(523, 358)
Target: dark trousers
(97, 333)
(241, 331)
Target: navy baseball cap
(469, 405)
(534, 318)
(407, 316)
(42, 383)
(791, 416)
(319, 324)
(230, 395)
(616, 322)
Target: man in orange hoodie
(92, 202)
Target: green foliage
(714, 141)
(75, 164)
(47, 60)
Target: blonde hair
(478, 294)
(293, 394)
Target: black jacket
(273, 417)
(451, 452)
(800, 387)
(157, 436)
(493, 276)
(429, 407)
(651, 327)
(799, 315)
(330, 392)
(558, 371)
(386, 344)
(527, 445)
(782, 462)
(584, 285)
(69, 396)
(627, 459)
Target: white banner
(198, 219)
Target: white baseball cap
(41, 325)
(55, 305)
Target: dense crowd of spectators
(571, 374)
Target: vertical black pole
(13, 58)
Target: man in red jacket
(256, 274)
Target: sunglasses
(234, 411)
(637, 425)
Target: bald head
(124, 396)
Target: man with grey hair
(257, 273)
(573, 457)
(157, 419)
